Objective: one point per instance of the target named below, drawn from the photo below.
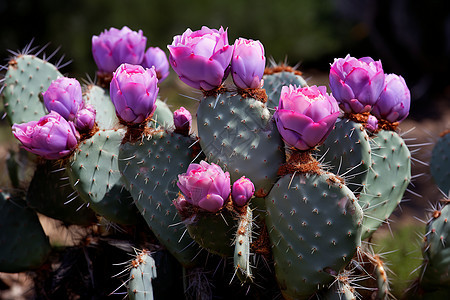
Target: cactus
(440, 163)
(143, 271)
(238, 133)
(26, 78)
(243, 240)
(314, 225)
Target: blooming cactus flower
(395, 100)
(305, 116)
(205, 185)
(201, 58)
(52, 137)
(242, 191)
(85, 118)
(64, 96)
(356, 83)
(248, 63)
(182, 119)
(156, 57)
(133, 91)
(114, 47)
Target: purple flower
(52, 137)
(182, 119)
(242, 191)
(305, 116)
(248, 63)
(156, 57)
(205, 185)
(395, 100)
(114, 47)
(85, 118)
(64, 96)
(372, 123)
(356, 83)
(201, 58)
(133, 91)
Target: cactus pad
(151, 169)
(27, 77)
(440, 163)
(314, 224)
(105, 112)
(143, 271)
(387, 180)
(239, 135)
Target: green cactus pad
(163, 115)
(274, 82)
(98, 97)
(27, 77)
(151, 169)
(94, 172)
(24, 245)
(436, 251)
(440, 163)
(143, 271)
(213, 231)
(243, 240)
(49, 193)
(346, 151)
(341, 289)
(314, 224)
(387, 180)
(239, 135)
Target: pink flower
(155, 57)
(64, 96)
(205, 185)
(201, 58)
(52, 137)
(85, 118)
(114, 47)
(305, 116)
(395, 100)
(248, 63)
(242, 191)
(182, 120)
(133, 91)
(356, 83)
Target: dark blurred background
(412, 38)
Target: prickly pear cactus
(346, 151)
(150, 167)
(143, 271)
(26, 78)
(436, 251)
(24, 245)
(387, 180)
(314, 224)
(243, 240)
(440, 163)
(238, 134)
(94, 172)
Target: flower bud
(305, 116)
(182, 119)
(114, 47)
(133, 91)
(85, 118)
(64, 96)
(372, 123)
(205, 185)
(395, 100)
(248, 63)
(201, 58)
(242, 191)
(356, 83)
(155, 57)
(52, 137)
